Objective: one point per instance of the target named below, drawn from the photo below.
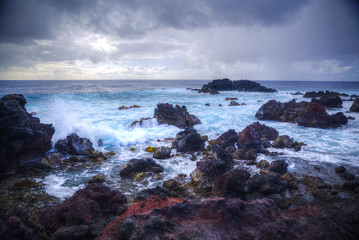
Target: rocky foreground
(222, 199)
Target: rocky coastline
(222, 199)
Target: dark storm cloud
(21, 20)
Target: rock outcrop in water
(74, 145)
(355, 106)
(24, 140)
(304, 114)
(188, 140)
(329, 102)
(178, 116)
(239, 85)
(135, 166)
(320, 94)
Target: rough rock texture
(188, 140)
(355, 106)
(74, 145)
(229, 138)
(23, 139)
(135, 166)
(322, 94)
(251, 137)
(15, 229)
(266, 184)
(162, 153)
(177, 116)
(217, 162)
(316, 116)
(87, 206)
(278, 166)
(304, 114)
(220, 218)
(329, 102)
(239, 85)
(233, 183)
(284, 141)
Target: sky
(179, 39)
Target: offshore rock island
(233, 191)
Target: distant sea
(90, 108)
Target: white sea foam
(55, 186)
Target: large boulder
(316, 116)
(267, 184)
(162, 153)
(229, 138)
(74, 145)
(329, 102)
(135, 166)
(23, 139)
(188, 140)
(87, 206)
(178, 116)
(355, 106)
(284, 141)
(322, 94)
(302, 113)
(233, 183)
(240, 85)
(252, 136)
(271, 110)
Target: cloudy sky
(179, 39)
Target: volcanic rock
(74, 145)
(233, 183)
(23, 139)
(177, 116)
(355, 106)
(162, 153)
(239, 85)
(188, 140)
(135, 166)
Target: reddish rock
(87, 206)
(221, 218)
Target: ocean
(90, 109)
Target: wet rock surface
(135, 166)
(329, 102)
(24, 140)
(74, 145)
(162, 153)
(355, 105)
(304, 114)
(178, 116)
(188, 140)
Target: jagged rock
(316, 116)
(329, 102)
(227, 139)
(177, 116)
(87, 206)
(323, 94)
(23, 139)
(233, 183)
(142, 122)
(271, 110)
(251, 137)
(284, 141)
(74, 145)
(188, 140)
(355, 106)
(278, 166)
(135, 166)
(266, 184)
(162, 153)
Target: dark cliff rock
(23, 139)
(239, 85)
(177, 116)
(329, 102)
(135, 166)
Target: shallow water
(90, 108)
